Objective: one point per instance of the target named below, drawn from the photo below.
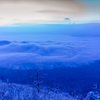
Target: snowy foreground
(23, 92)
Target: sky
(49, 11)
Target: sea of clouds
(71, 52)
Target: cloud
(50, 54)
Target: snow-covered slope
(23, 92)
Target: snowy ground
(23, 92)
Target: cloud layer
(49, 54)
